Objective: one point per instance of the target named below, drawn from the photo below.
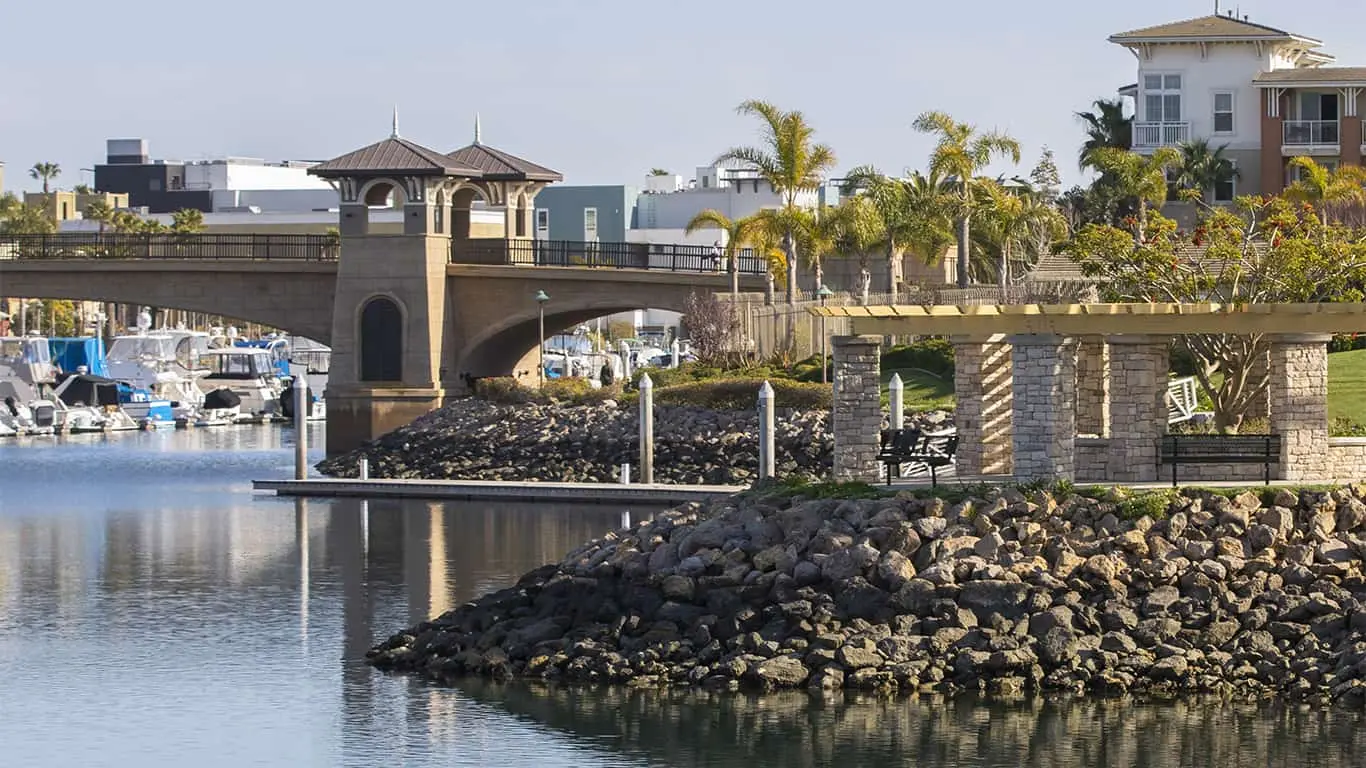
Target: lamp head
(542, 297)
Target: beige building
(62, 205)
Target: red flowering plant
(1260, 251)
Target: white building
(668, 204)
(1262, 93)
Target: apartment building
(1263, 93)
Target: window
(1225, 192)
(590, 225)
(154, 185)
(1223, 112)
(1162, 98)
(542, 219)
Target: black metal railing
(110, 245)
(664, 257)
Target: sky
(600, 90)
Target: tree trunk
(893, 271)
(820, 277)
(963, 250)
(790, 256)
(1004, 278)
(1142, 218)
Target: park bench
(911, 446)
(1175, 450)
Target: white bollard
(767, 462)
(673, 350)
(896, 395)
(300, 428)
(364, 472)
(625, 476)
(626, 519)
(626, 361)
(647, 430)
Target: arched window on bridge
(381, 341)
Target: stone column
(1044, 421)
(1093, 386)
(982, 394)
(1299, 404)
(858, 407)
(1138, 406)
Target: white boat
(25, 372)
(164, 365)
(249, 375)
(87, 403)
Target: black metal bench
(910, 446)
(1176, 450)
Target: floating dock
(497, 490)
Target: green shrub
(504, 390)
(743, 394)
(568, 389)
(1153, 504)
(934, 355)
(1345, 427)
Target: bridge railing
(665, 257)
(111, 245)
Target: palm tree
(963, 152)
(1016, 221)
(45, 172)
(739, 233)
(913, 213)
(1106, 127)
(1323, 188)
(1204, 168)
(1141, 177)
(187, 220)
(789, 161)
(101, 212)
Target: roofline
(1316, 83)
(1287, 37)
(467, 173)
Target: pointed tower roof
(497, 165)
(397, 156)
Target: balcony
(1155, 135)
(1309, 136)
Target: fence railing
(566, 253)
(111, 245)
(1154, 135)
(1308, 133)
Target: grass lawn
(923, 391)
(1347, 385)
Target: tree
(1139, 177)
(1019, 223)
(45, 172)
(1322, 188)
(914, 213)
(1045, 177)
(790, 162)
(18, 218)
(1106, 128)
(1203, 168)
(658, 172)
(187, 221)
(739, 234)
(963, 152)
(1261, 251)
(82, 189)
(101, 212)
(713, 328)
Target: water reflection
(154, 612)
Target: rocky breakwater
(473, 439)
(1006, 593)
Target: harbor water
(155, 612)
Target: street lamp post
(824, 293)
(541, 299)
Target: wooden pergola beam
(1101, 319)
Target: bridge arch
(381, 321)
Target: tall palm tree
(1141, 177)
(1323, 188)
(915, 214)
(100, 211)
(963, 152)
(1106, 127)
(45, 172)
(1203, 168)
(790, 162)
(187, 220)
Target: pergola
(1030, 378)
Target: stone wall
(1138, 406)
(1347, 458)
(983, 404)
(1299, 404)
(1093, 456)
(857, 407)
(1093, 386)
(1093, 459)
(1043, 426)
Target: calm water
(153, 611)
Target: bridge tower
(391, 318)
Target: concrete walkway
(497, 490)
